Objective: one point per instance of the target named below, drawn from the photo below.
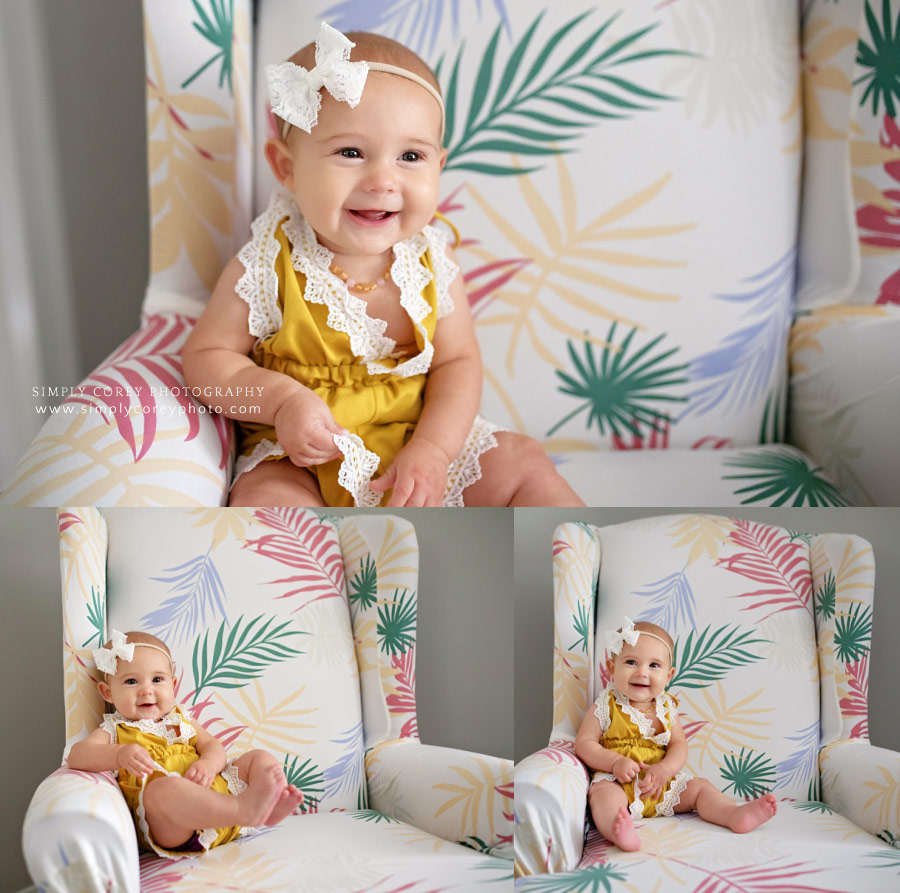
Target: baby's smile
(369, 217)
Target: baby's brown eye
(350, 153)
(411, 156)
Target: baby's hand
(654, 780)
(625, 769)
(201, 772)
(134, 759)
(304, 425)
(418, 475)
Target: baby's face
(642, 671)
(142, 688)
(368, 177)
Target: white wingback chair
(772, 630)
(676, 240)
(289, 633)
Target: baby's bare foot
(624, 834)
(285, 805)
(752, 815)
(263, 790)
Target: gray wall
(464, 667)
(534, 605)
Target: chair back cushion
(625, 179)
(252, 604)
(737, 598)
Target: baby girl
(183, 794)
(346, 311)
(634, 740)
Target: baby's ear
(281, 161)
(105, 691)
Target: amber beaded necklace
(361, 286)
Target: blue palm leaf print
(803, 763)
(672, 602)
(415, 23)
(345, 775)
(198, 602)
(749, 359)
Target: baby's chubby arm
(212, 759)
(215, 355)
(97, 753)
(596, 756)
(452, 397)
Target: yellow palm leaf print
(886, 797)
(703, 533)
(542, 293)
(231, 868)
(232, 521)
(726, 727)
(570, 672)
(475, 795)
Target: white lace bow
(294, 91)
(107, 659)
(615, 639)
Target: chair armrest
(454, 794)
(860, 782)
(129, 434)
(551, 798)
(845, 397)
(79, 834)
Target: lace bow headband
(294, 91)
(615, 639)
(107, 659)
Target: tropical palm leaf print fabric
(769, 623)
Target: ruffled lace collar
(346, 312)
(642, 722)
(181, 734)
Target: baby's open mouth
(371, 214)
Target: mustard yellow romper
(174, 750)
(310, 326)
(628, 732)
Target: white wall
(534, 604)
(464, 660)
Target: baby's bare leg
(609, 808)
(714, 806)
(518, 472)
(278, 482)
(176, 808)
(255, 761)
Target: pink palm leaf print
(856, 703)
(754, 879)
(303, 541)
(148, 361)
(159, 875)
(403, 699)
(561, 752)
(771, 557)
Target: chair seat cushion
(805, 846)
(775, 474)
(338, 851)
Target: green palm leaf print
(581, 624)
(242, 655)
(216, 26)
(775, 477)
(371, 815)
(881, 58)
(625, 388)
(824, 597)
(396, 626)
(96, 616)
(749, 774)
(364, 585)
(592, 879)
(308, 778)
(552, 102)
(702, 661)
(853, 633)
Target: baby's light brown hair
(644, 626)
(369, 48)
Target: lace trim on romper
(258, 287)
(181, 735)
(664, 703)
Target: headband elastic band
(615, 639)
(107, 659)
(401, 72)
